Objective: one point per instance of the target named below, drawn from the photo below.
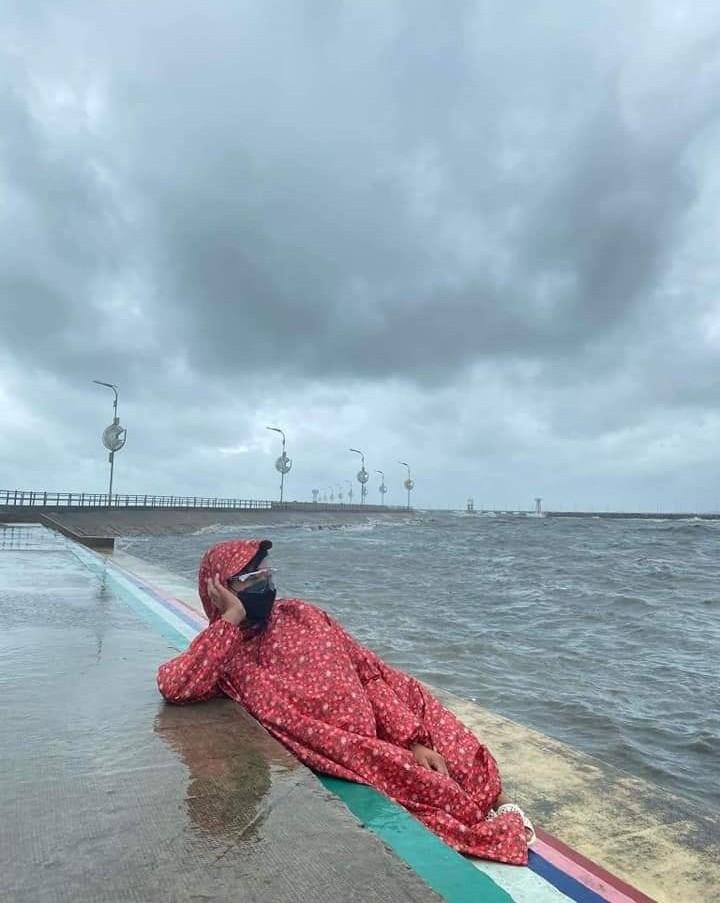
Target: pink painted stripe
(173, 602)
(168, 600)
(579, 873)
(556, 848)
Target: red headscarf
(226, 559)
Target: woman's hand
(227, 603)
(428, 758)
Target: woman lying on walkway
(338, 707)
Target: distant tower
(470, 506)
(316, 493)
(538, 507)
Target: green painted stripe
(448, 873)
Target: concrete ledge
(658, 842)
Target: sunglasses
(254, 578)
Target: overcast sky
(478, 237)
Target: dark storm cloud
(345, 192)
(484, 233)
(64, 242)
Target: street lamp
(363, 476)
(409, 484)
(383, 487)
(113, 437)
(283, 463)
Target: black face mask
(258, 605)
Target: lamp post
(363, 476)
(113, 437)
(283, 463)
(409, 484)
(383, 487)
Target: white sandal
(511, 807)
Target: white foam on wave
(234, 529)
(210, 528)
(241, 528)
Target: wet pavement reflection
(230, 763)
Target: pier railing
(29, 498)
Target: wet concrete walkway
(109, 794)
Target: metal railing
(30, 498)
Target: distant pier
(96, 520)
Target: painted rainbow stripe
(553, 853)
(556, 872)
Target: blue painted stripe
(571, 887)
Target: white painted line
(523, 885)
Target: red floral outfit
(342, 711)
